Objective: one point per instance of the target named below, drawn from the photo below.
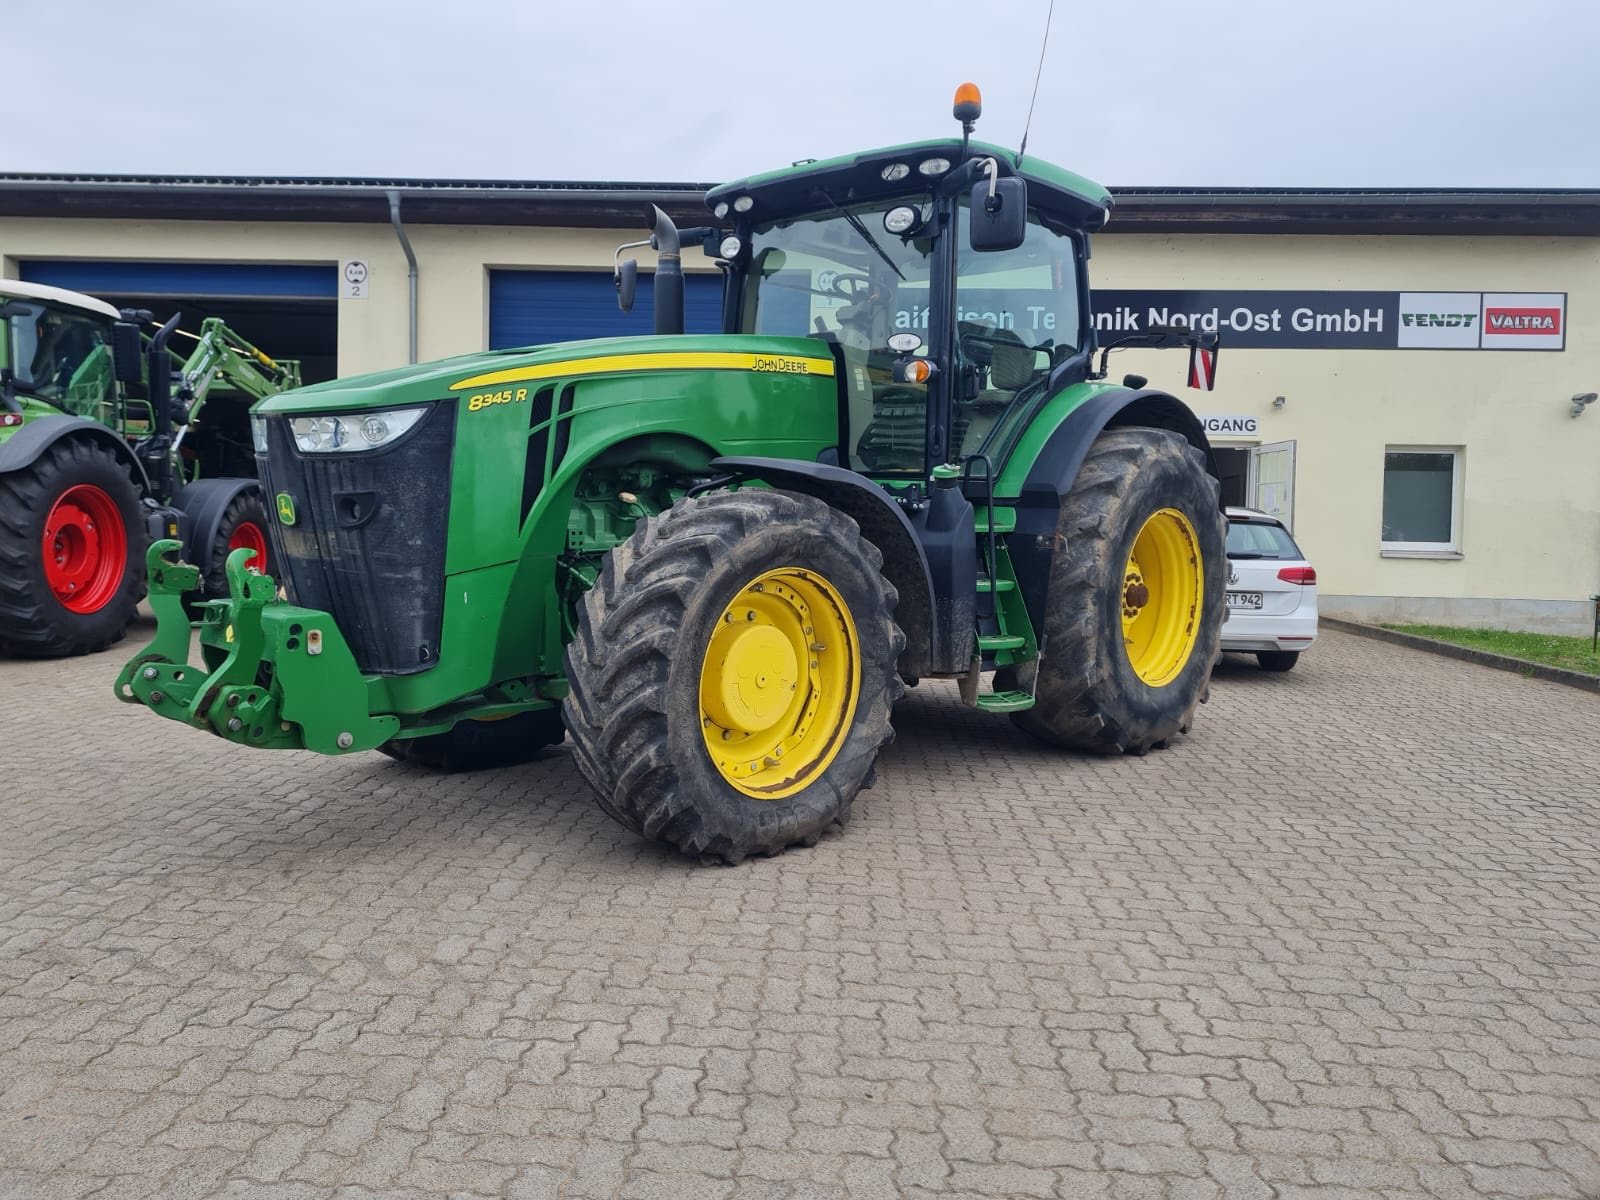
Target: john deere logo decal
(286, 508)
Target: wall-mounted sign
(1230, 426)
(355, 280)
(1292, 320)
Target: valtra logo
(1522, 321)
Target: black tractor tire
(1277, 660)
(481, 745)
(248, 507)
(1088, 695)
(33, 622)
(634, 667)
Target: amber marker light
(918, 371)
(969, 103)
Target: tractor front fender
(25, 446)
(883, 524)
(203, 503)
(1055, 470)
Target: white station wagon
(1272, 591)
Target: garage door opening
(288, 311)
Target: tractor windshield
(839, 276)
(60, 355)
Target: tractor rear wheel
(72, 543)
(1134, 609)
(732, 673)
(480, 745)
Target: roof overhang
(620, 205)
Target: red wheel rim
(247, 535)
(85, 548)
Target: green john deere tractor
(98, 456)
(715, 562)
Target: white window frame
(1452, 548)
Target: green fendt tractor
(715, 562)
(99, 456)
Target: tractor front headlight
(345, 433)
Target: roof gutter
(411, 269)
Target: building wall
(1530, 548)
(1530, 528)
(453, 265)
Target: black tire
(1089, 697)
(248, 507)
(212, 557)
(1277, 660)
(634, 669)
(480, 745)
(33, 622)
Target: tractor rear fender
(1056, 468)
(884, 525)
(202, 503)
(25, 446)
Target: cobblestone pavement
(1344, 941)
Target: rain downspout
(411, 268)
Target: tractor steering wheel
(851, 287)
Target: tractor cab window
(61, 356)
(840, 277)
(1017, 315)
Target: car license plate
(1244, 599)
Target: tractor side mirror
(626, 279)
(127, 352)
(998, 214)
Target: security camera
(1278, 401)
(1582, 401)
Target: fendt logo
(1522, 320)
(1439, 320)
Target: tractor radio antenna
(1037, 75)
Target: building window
(1422, 501)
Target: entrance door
(1271, 484)
(1233, 469)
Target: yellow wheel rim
(779, 683)
(1162, 586)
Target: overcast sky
(1338, 93)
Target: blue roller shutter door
(216, 280)
(532, 308)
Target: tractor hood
(478, 373)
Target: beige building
(1401, 379)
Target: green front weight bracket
(274, 675)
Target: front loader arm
(221, 355)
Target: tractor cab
(944, 327)
(55, 351)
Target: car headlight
(345, 433)
(258, 433)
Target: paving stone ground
(1344, 941)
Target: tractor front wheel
(243, 525)
(72, 542)
(1135, 602)
(732, 673)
